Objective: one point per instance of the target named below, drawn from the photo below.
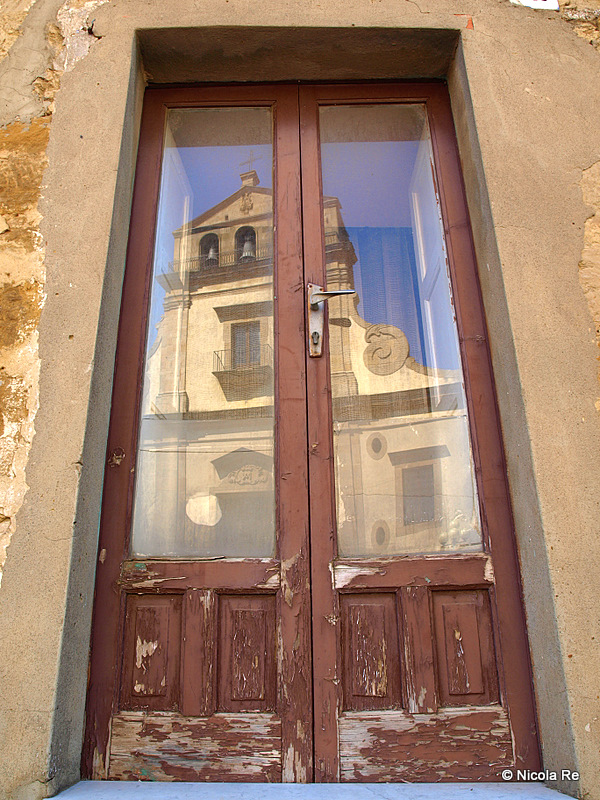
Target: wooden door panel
(443, 720)
(246, 672)
(223, 575)
(419, 658)
(199, 653)
(460, 743)
(225, 747)
(228, 667)
(370, 651)
(151, 652)
(442, 571)
(466, 657)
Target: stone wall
(39, 40)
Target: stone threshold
(147, 790)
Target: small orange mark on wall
(469, 26)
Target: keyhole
(315, 336)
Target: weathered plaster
(77, 28)
(13, 16)
(27, 60)
(589, 266)
(22, 161)
(29, 81)
(584, 19)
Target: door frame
(292, 438)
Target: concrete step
(147, 790)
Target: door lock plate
(316, 296)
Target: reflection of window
(245, 244)
(209, 250)
(418, 494)
(419, 490)
(245, 344)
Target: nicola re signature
(543, 775)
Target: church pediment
(249, 204)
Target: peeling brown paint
(287, 579)
(272, 582)
(293, 765)
(351, 574)
(151, 575)
(241, 747)
(398, 746)
(143, 651)
(437, 571)
(116, 457)
(100, 768)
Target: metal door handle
(316, 296)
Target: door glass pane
(204, 472)
(403, 466)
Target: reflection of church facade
(206, 466)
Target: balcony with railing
(223, 260)
(244, 372)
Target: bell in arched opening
(248, 251)
(246, 244)
(209, 250)
(212, 257)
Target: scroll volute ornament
(387, 349)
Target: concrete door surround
(221, 54)
(501, 73)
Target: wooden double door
(306, 567)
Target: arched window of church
(209, 250)
(245, 244)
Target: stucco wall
(524, 85)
